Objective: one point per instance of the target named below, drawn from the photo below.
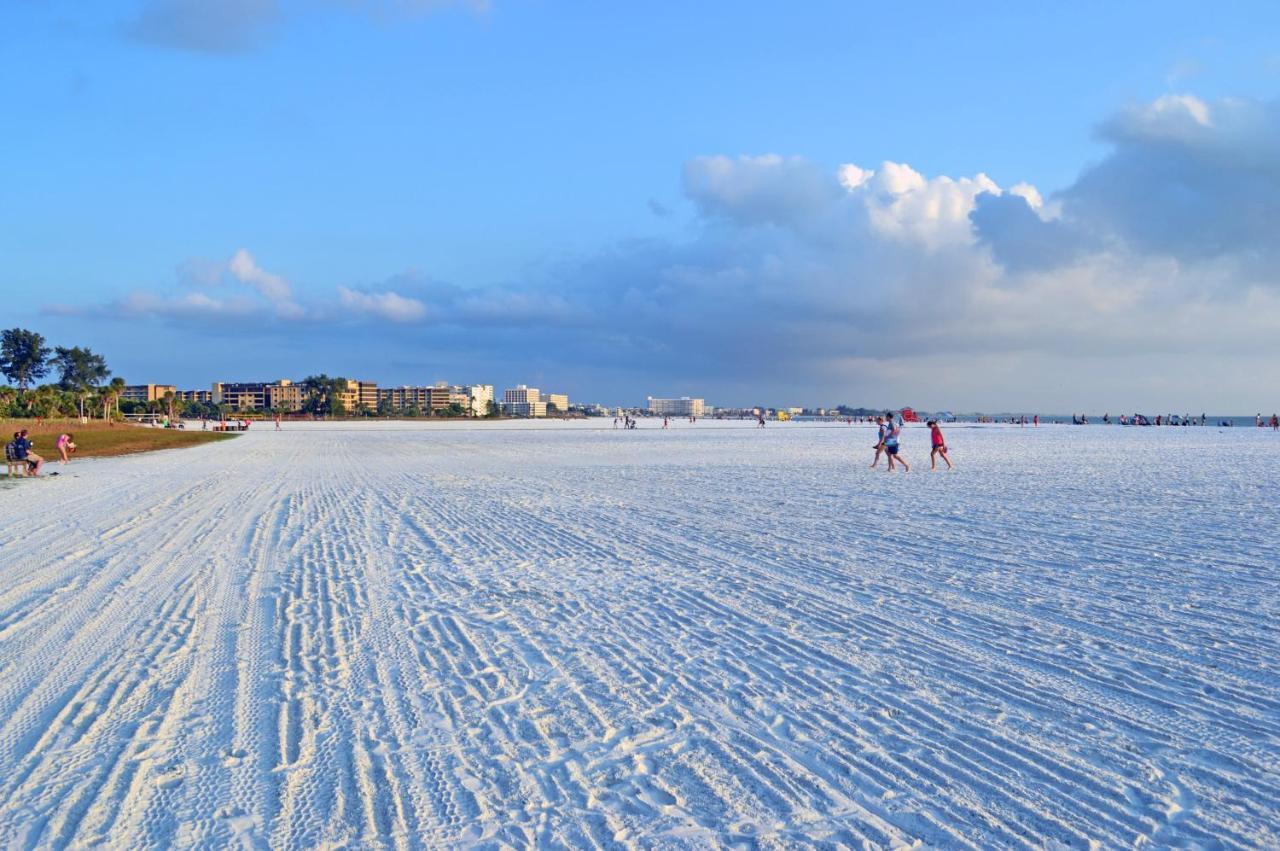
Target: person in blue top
(22, 452)
(891, 446)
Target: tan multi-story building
(368, 394)
(257, 395)
(146, 392)
(425, 399)
(522, 401)
(194, 395)
(284, 395)
(682, 407)
(359, 393)
(559, 400)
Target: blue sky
(623, 199)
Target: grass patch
(99, 440)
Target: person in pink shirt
(65, 447)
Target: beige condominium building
(559, 400)
(194, 395)
(424, 399)
(257, 395)
(146, 392)
(522, 401)
(359, 394)
(682, 407)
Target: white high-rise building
(522, 401)
(481, 395)
(682, 407)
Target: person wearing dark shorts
(891, 446)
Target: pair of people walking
(888, 432)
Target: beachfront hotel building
(358, 394)
(479, 395)
(194, 395)
(682, 407)
(522, 401)
(559, 400)
(257, 395)
(146, 392)
(424, 399)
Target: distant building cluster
(288, 396)
(682, 407)
(525, 401)
(356, 396)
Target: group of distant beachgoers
(1174, 420)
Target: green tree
(23, 356)
(8, 401)
(322, 395)
(45, 401)
(79, 371)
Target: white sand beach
(561, 635)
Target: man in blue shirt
(891, 446)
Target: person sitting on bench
(22, 451)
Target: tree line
(82, 378)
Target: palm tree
(45, 401)
(115, 390)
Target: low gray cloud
(1184, 178)
(1022, 240)
(1189, 179)
(205, 26)
(240, 26)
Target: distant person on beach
(939, 446)
(759, 420)
(1275, 422)
(277, 422)
(66, 445)
(891, 446)
(881, 431)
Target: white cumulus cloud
(383, 305)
